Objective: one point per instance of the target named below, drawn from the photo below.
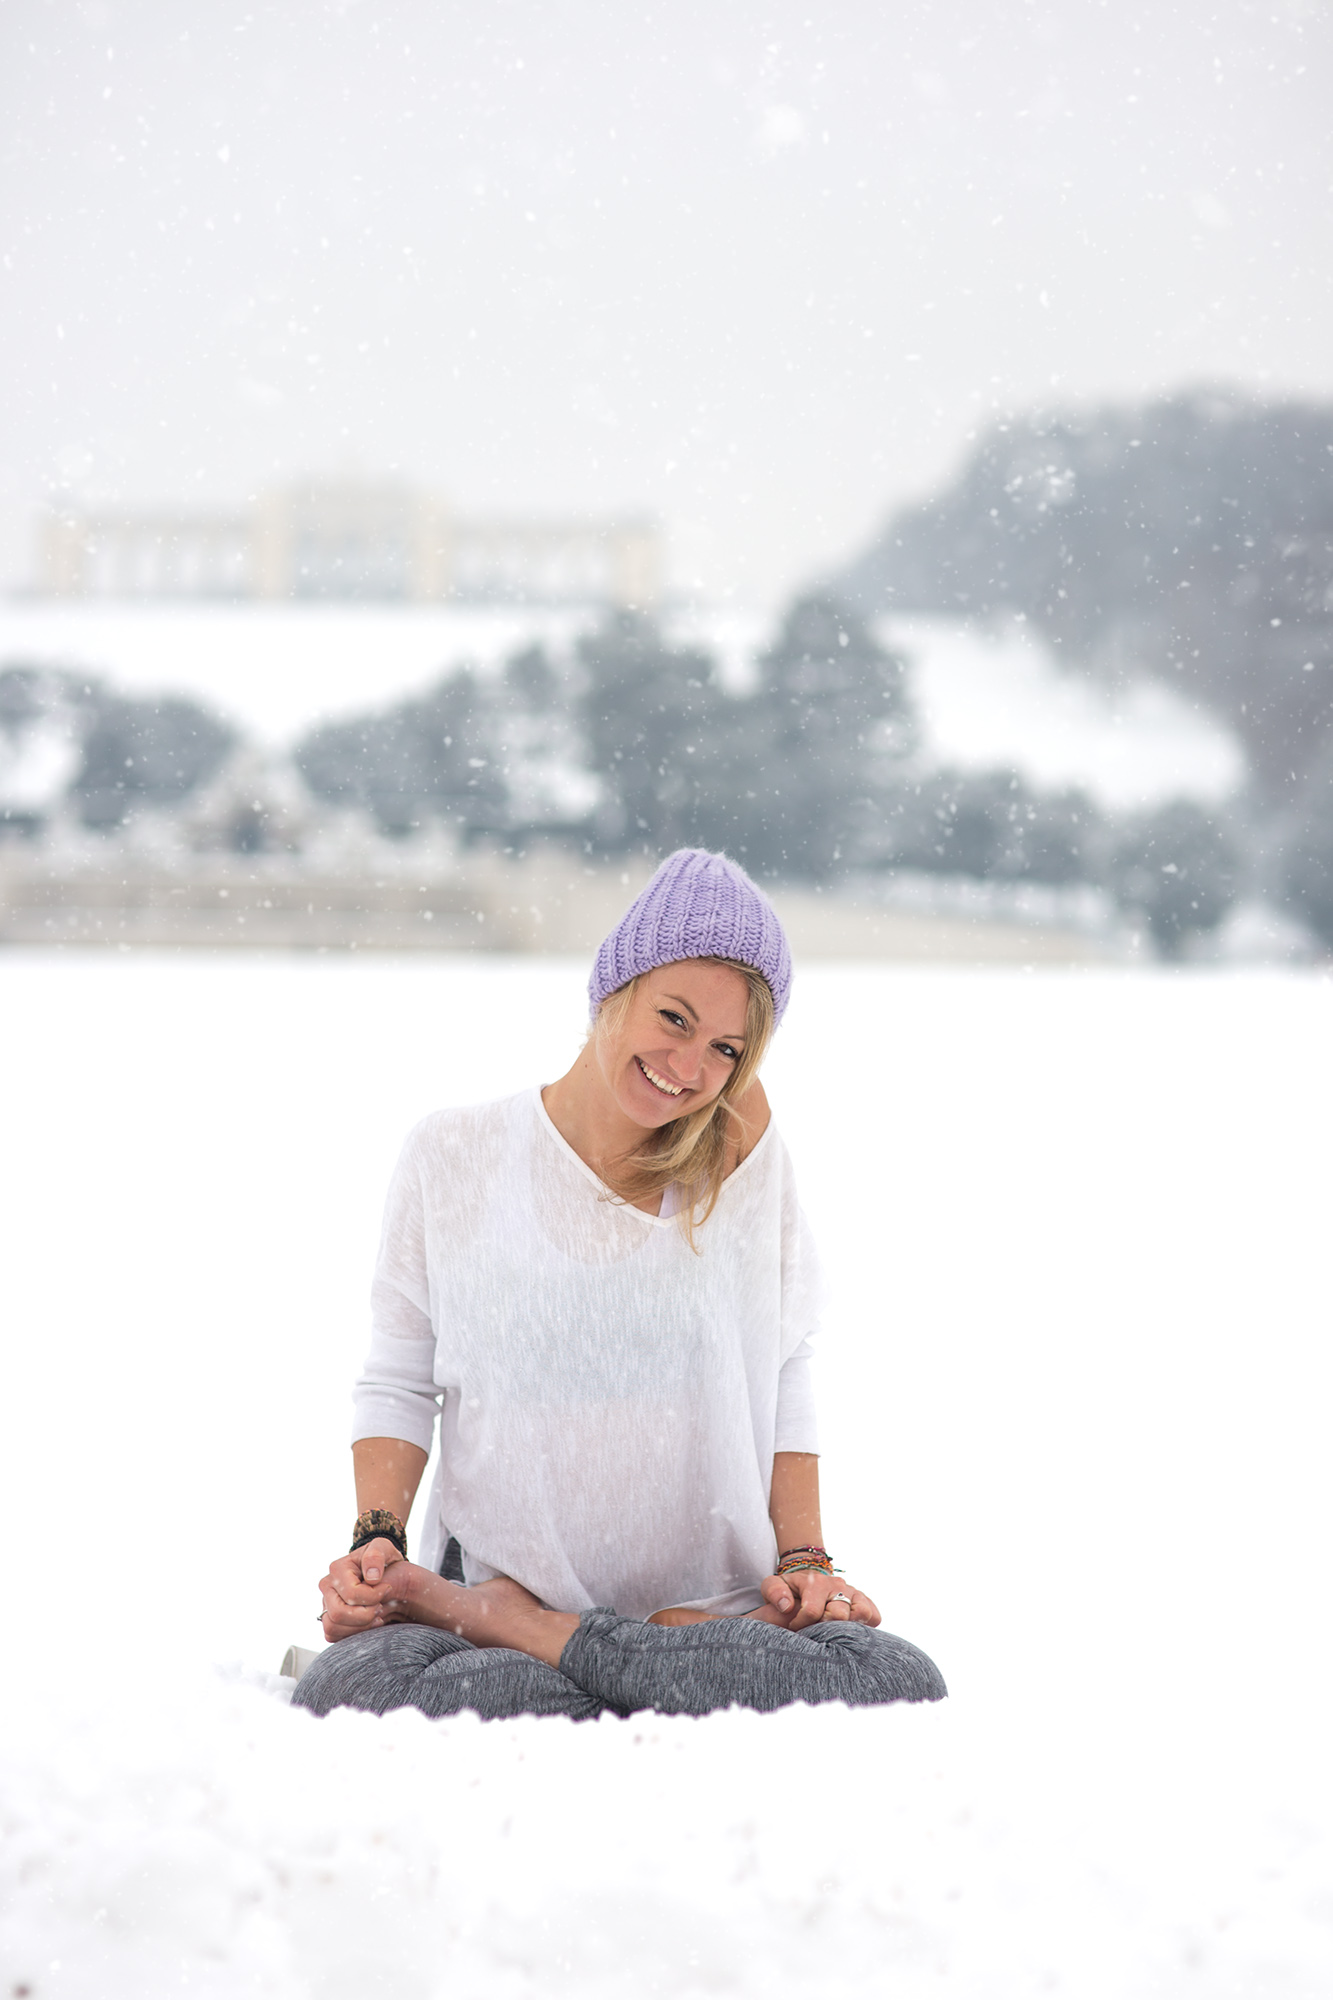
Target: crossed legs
(618, 1664)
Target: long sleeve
(796, 1427)
(804, 1287)
(804, 1294)
(396, 1395)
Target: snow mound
(1073, 1392)
(205, 1837)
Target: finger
(341, 1621)
(378, 1557)
(372, 1561)
(775, 1590)
(860, 1610)
(344, 1576)
(358, 1566)
(339, 1607)
(824, 1599)
(329, 1591)
(342, 1593)
(812, 1588)
(349, 1588)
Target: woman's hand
(812, 1597)
(358, 1588)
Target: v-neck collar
(545, 1119)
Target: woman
(605, 1290)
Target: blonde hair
(692, 1151)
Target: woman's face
(681, 1038)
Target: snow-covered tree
(1307, 853)
(1179, 870)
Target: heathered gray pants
(621, 1665)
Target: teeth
(671, 1089)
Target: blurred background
(451, 457)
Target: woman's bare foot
(497, 1613)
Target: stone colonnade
(341, 542)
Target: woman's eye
(676, 1020)
(725, 1049)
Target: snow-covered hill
(995, 697)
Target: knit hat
(698, 905)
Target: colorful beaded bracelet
(799, 1559)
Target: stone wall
(548, 901)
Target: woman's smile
(660, 1082)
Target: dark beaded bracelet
(378, 1524)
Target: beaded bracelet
(811, 1558)
(379, 1524)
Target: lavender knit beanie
(698, 905)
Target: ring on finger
(838, 1597)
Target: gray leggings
(620, 1665)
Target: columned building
(348, 541)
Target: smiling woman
(604, 1290)
(685, 1081)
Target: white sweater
(611, 1400)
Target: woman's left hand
(812, 1597)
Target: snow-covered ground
(1075, 1404)
(984, 698)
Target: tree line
(634, 744)
(1190, 537)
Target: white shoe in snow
(295, 1661)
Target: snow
(1074, 1393)
(999, 697)
(985, 698)
(274, 669)
(37, 767)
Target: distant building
(338, 541)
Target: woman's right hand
(353, 1589)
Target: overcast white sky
(755, 268)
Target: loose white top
(610, 1401)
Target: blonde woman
(603, 1291)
